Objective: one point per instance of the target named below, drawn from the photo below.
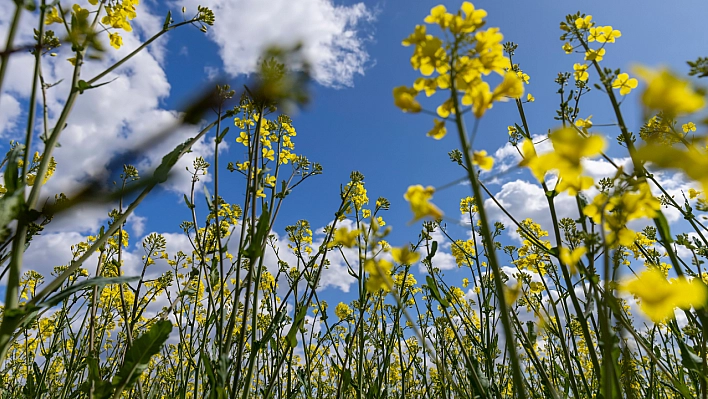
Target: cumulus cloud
(9, 112)
(332, 35)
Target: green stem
(5, 58)
(489, 243)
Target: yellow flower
(53, 17)
(693, 193)
(481, 99)
(418, 36)
(530, 98)
(524, 77)
(584, 124)
(581, 72)
(243, 138)
(692, 162)
(343, 311)
(419, 200)
(688, 127)
(269, 181)
(404, 255)
(404, 98)
(584, 23)
(512, 86)
(603, 34)
(439, 15)
(595, 55)
(483, 160)
(624, 83)
(571, 259)
(116, 40)
(511, 294)
(268, 153)
(568, 48)
(379, 275)
(668, 93)
(659, 297)
(574, 184)
(438, 131)
(569, 148)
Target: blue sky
(351, 122)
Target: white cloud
(332, 37)
(9, 112)
(137, 223)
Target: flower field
(608, 302)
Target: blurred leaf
(138, 356)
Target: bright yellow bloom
(574, 184)
(669, 93)
(512, 86)
(344, 237)
(603, 34)
(595, 55)
(419, 200)
(379, 275)
(584, 124)
(269, 181)
(624, 83)
(569, 148)
(430, 56)
(472, 20)
(688, 127)
(568, 48)
(659, 297)
(571, 259)
(116, 40)
(268, 153)
(483, 160)
(439, 15)
(481, 99)
(693, 193)
(404, 98)
(243, 139)
(692, 162)
(511, 294)
(343, 311)
(418, 36)
(523, 76)
(53, 17)
(530, 98)
(581, 72)
(620, 209)
(404, 255)
(584, 23)
(438, 131)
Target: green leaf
(663, 227)
(168, 20)
(221, 136)
(299, 320)
(435, 292)
(84, 85)
(11, 206)
(101, 389)
(12, 182)
(186, 201)
(137, 357)
(255, 247)
(168, 161)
